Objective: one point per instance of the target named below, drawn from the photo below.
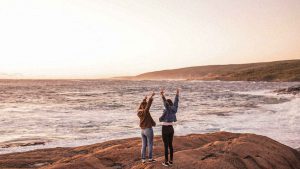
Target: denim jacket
(169, 114)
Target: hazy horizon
(102, 39)
(19, 76)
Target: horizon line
(120, 76)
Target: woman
(146, 124)
(167, 119)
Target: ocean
(37, 114)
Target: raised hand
(162, 92)
(146, 97)
(177, 91)
(152, 94)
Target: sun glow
(92, 39)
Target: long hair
(143, 105)
(170, 102)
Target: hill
(288, 70)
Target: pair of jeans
(147, 141)
(167, 135)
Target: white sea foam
(74, 113)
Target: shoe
(166, 164)
(151, 160)
(170, 163)
(143, 161)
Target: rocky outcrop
(209, 151)
(290, 90)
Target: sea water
(64, 113)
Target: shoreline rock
(290, 90)
(22, 144)
(209, 151)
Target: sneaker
(170, 163)
(151, 160)
(143, 160)
(166, 164)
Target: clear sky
(96, 39)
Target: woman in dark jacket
(146, 124)
(167, 119)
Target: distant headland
(277, 71)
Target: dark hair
(143, 105)
(170, 102)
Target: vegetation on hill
(288, 70)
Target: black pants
(167, 135)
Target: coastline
(209, 150)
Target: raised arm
(144, 100)
(176, 100)
(164, 98)
(149, 102)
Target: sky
(100, 39)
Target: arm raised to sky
(149, 102)
(164, 99)
(176, 100)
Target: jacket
(169, 113)
(146, 120)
